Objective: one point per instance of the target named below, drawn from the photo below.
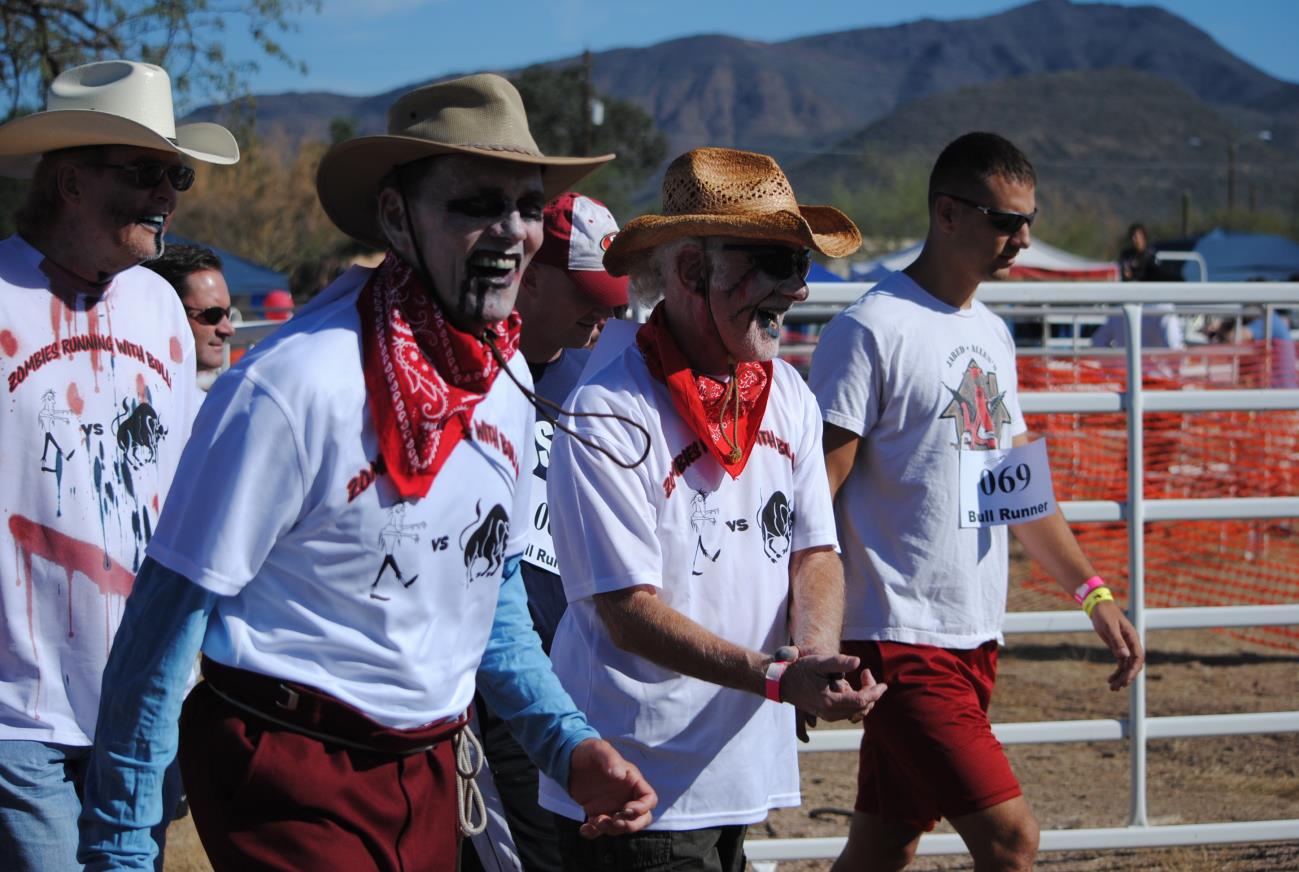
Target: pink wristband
(774, 671)
(1087, 587)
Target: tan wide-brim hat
(479, 115)
(725, 192)
(110, 103)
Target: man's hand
(615, 796)
(1120, 637)
(813, 684)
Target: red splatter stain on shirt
(8, 342)
(177, 352)
(141, 389)
(75, 403)
(155, 504)
(73, 555)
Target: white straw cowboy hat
(110, 103)
(725, 192)
(478, 115)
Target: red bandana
(702, 401)
(424, 376)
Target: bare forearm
(1051, 543)
(816, 601)
(640, 623)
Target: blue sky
(365, 47)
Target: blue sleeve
(161, 633)
(516, 680)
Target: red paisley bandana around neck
(705, 403)
(423, 376)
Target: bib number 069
(1007, 481)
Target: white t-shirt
(717, 549)
(98, 389)
(919, 380)
(325, 577)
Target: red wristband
(774, 671)
(1081, 592)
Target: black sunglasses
(148, 176)
(775, 260)
(1006, 222)
(211, 316)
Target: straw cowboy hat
(724, 192)
(110, 103)
(479, 115)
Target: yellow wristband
(1099, 595)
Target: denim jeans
(40, 799)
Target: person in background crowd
(195, 273)
(99, 369)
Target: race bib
(540, 551)
(1006, 487)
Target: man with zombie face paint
(689, 576)
(345, 550)
(97, 367)
(917, 384)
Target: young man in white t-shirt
(345, 547)
(687, 574)
(97, 368)
(914, 379)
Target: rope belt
(469, 796)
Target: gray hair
(646, 276)
(43, 203)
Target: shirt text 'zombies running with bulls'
(283, 508)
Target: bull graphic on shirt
(139, 433)
(776, 521)
(977, 409)
(485, 547)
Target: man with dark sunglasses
(195, 273)
(689, 576)
(98, 370)
(917, 384)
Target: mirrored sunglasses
(148, 176)
(211, 316)
(776, 261)
(1003, 221)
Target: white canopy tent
(1038, 261)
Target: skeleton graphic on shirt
(390, 536)
(701, 518)
(48, 417)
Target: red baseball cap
(577, 231)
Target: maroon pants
(268, 797)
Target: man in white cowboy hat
(98, 372)
(689, 576)
(564, 299)
(917, 383)
(344, 548)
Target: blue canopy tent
(1239, 257)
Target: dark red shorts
(266, 797)
(928, 751)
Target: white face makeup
(477, 222)
(752, 285)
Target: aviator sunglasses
(211, 316)
(148, 176)
(775, 260)
(1006, 222)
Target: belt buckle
(289, 698)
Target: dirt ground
(1061, 677)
